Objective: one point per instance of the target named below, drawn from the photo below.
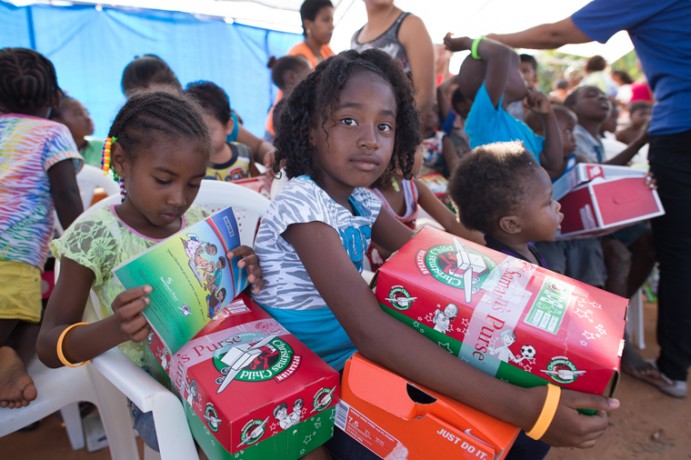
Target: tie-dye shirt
(29, 147)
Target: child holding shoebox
(497, 307)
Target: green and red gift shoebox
(507, 317)
(250, 389)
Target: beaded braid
(28, 81)
(168, 113)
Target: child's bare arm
(552, 156)
(66, 306)
(65, 192)
(497, 59)
(250, 262)
(436, 209)
(624, 157)
(449, 152)
(421, 360)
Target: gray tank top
(387, 42)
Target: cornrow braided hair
(313, 101)
(168, 113)
(28, 81)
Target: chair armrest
(150, 396)
(130, 379)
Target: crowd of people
(355, 138)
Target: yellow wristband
(61, 339)
(549, 409)
(473, 48)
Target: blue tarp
(90, 46)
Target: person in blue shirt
(661, 35)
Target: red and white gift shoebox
(604, 205)
(585, 172)
(250, 388)
(509, 318)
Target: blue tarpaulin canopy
(90, 45)
(229, 42)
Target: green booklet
(190, 275)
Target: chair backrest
(90, 178)
(248, 205)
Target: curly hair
(313, 101)
(490, 183)
(212, 98)
(28, 81)
(147, 114)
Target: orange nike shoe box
(397, 419)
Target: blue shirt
(661, 33)
(487, 124)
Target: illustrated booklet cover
(190, 276)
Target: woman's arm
(65, 192)
(447, 219)
(390, 343)
(418, 47)
(544, 36)
(66, 306)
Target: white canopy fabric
(462, 17)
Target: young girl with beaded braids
(38, 165)
(346, 124)
(159, 149)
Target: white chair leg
(73, 424)
(118, 424)
(150, 454)
(635, 321)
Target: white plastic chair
(174, 439)
(89, 179)
(63, 388)
(634, 323)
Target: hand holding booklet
(190, 275)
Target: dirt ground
(649, 425)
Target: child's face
(161, 183)
(218, 132)
(322, 27)
(591, 104)
(641, 116)
(528, 72)
(77, 120)
(359, 139)
(567, 124)
(540, 216)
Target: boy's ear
(229, 126)
(510, 224)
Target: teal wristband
(473, 48)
